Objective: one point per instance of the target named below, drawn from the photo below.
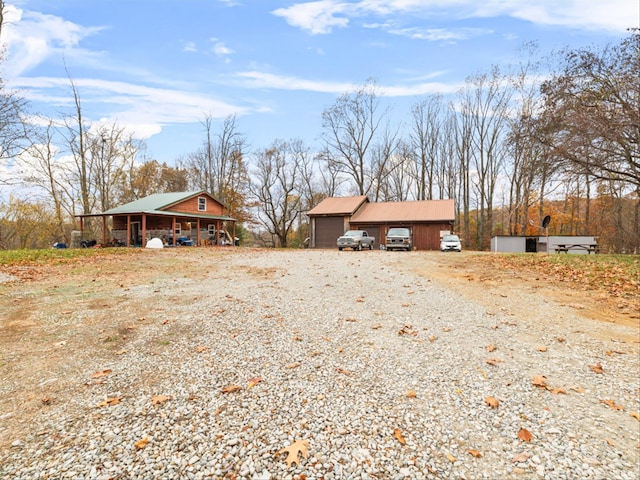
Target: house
(426, 218)
(197, 217)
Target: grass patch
(57, 256)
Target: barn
(426, 219)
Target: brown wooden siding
(191, 206)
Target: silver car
(450, 243)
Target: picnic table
(589, 247)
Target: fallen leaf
(377, 326)
(293, 365)
(491, 348)
(253, 382)
(102, 373)
(343, 371)
(474, 453)
(611, 352)
(201, 348)
(432, 338)
(558, 390)
(109, 402)
(451, 458)
(231, 389)
(521, 457)
(542, 348)
(411, 394)
(525, 435)
(612, 405)
(446, 329)
(540, 381)
(140, 444)
(298, 447)
(560, 339)
(597, 368)
(121, 352)
(158, 399)
(397, 433)
(492, 402)
(610, 442)
(493, 361)
(635, 415)
(578, 389)
(46, 400)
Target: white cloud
(316, 17)
(190, 47)
(219, 48)
(140, 108)
(33, 37)
(256, 79)
(320, 17)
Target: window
(178, 228)
(202, 204)
(211, 229)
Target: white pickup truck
(356, 240)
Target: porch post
(128, 230)
(198, 232)
(144, 230)
(104, 230)
(173, 231)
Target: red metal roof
(338, 205)
(415, 211)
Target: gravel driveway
(221, 359)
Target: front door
(136, 238)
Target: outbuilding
(427, 219)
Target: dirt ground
(55, 320)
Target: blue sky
(160, 66)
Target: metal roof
(338, 205)
(157, 201)
(415, 211)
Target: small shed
(196, 216)
(579, 244)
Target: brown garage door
(328, 229)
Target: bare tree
(276, 188)
(350, 127)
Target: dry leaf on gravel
(542, 349)
(397, 434)
(612, 405)
(525, 435)
(102, 373)
(540, 381)
(597, 368)
(109, 402)
(491, 348)
(231, 389)
(474, 453)
(492, 402)
(635, 415)
(140, 444)
(253, 382)
(158, 399)
(411, 394)
(451, 458)
(299, 447)
(493, 361)
(521, 457)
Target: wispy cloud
(255, 79)
(33, 37)
(321, 17)
(141, 108)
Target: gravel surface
(384, 370)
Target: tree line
(511, 146)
